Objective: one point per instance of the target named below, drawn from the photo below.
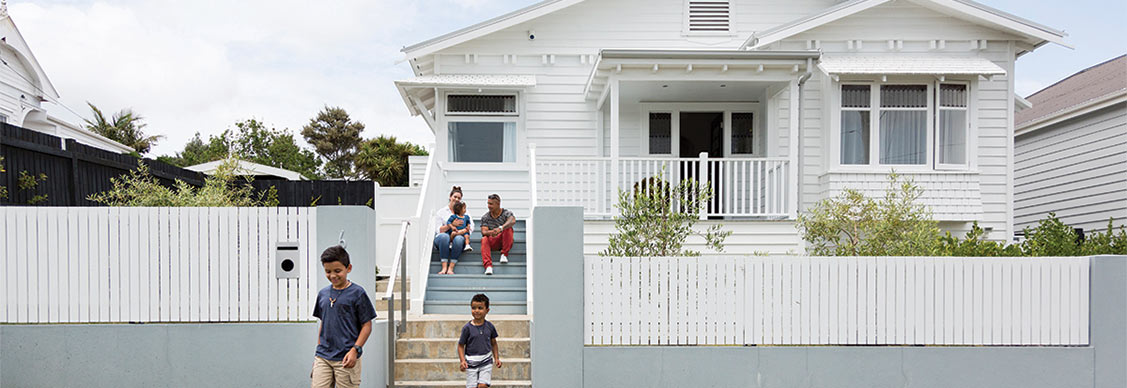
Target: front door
(702, 132)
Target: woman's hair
(459, 207)
(455, 189)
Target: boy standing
(477, 347)
(346, 316)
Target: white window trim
(966, 164)
(731, 22)
(442, 137)
(874, 127)
(675, 110)
(484, 93)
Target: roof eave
(444, 41)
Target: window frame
(966, 130)
(442, 137)
(874, 165)
(929, 132)
(446, 106)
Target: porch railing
(741, 187)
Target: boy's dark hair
(335, 253)
(459, 207)
(481, 298)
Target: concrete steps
(426, 355)
(507, 288)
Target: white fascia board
(966, 8)
(487, 27)
(25, 51)
(775, 34)
(90, 138)
(1002, 19)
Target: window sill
(898, 169)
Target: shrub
(649, 226)
(852, 224)
(974, 245)
(1051, 237)
(1107, 243)
(220, 189)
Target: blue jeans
(445, 251)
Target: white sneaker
(468, 248)
(488, 270)
(504, 259)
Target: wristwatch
(359, 350)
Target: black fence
(75, 171)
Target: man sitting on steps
(496, 233)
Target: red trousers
(504, 242)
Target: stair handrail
(423, 234)
(395, 329)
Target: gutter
(801, 118)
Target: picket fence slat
(91, 265)
(836, 301)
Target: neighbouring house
(245, 168)
(1071, 150)
(776, 105)
(24, 87)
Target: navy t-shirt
(342, 314)
(477, 338)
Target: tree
(649, 226)
(124, 127)
(384, 160)
(336, 138)
(252, 141)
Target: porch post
(795, 132)
(614, 137)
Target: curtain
(855, 120)
(952, 137)
(510, 143)
(903, 127)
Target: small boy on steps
(477, 346)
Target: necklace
(333, 300)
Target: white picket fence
(76, 265)
(837, 301)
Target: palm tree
(124, 127)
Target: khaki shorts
(326, 373)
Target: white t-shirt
(443, 214)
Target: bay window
(909, 124)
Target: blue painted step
(511, 294)
(497, 280)
(475, 268)
(460, 307)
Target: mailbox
(286, 260)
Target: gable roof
(17, 44)
(1093, 86)
(1036, 33)
(489, 26)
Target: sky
(200, 66)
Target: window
(483, 142)
(951, 136)
(661, 133)
(903, 124)
(709, 16)
(743, 133)
(855, 113)
(481, 128)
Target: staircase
(426, 355)
(507, 288)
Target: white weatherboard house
(24, 88)
(776, 104)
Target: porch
(727, 120)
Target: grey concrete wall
(359, 225)
(557, 315)
(172, 355)
(557, 332)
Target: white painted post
(703, 182)
(532, 174)
(792, 170)
(614, 137)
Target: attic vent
(709, 16)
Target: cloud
(201, 66)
